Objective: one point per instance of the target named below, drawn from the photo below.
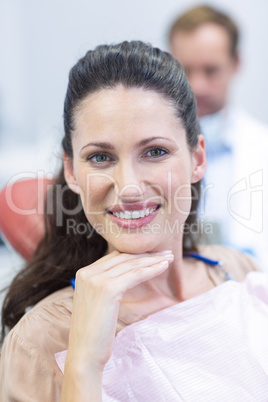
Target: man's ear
(69, 173)
(199, 160)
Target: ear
(69, 173)
(199, 160)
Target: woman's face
(133, 168)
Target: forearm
(81, 385)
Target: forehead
(109, 111)
(209, 42)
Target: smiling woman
(123, 120)
(122, 220)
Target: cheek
(222, 81)
(94, 188)
(182, 200)
(176, 187)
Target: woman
(133, 161)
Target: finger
(101, 281)
(133, 264)
(115, 258)
(118, 285)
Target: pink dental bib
(213, 347)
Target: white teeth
(134, 214)
(127, 215)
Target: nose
(129, 183)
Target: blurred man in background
(205, 41)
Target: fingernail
(164, 252)
(164, 263)
(170, 257)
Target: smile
(134, 214)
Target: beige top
(28, 370)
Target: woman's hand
(99, 288)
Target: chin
(135, 245)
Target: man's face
(206, 56)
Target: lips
(133, 211)
(133, 215)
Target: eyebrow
(104, 145)
(107, 145)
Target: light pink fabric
(213, 347)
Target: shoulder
(235, 262)
(45, 327)
(28, 368)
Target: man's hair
(201, 15)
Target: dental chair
(21, 214)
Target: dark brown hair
(62, 252)
(201, 15)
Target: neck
(169, 284)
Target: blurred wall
(41, 40)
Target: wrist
(81, 382)
(81, 368)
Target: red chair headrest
(22, 214)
